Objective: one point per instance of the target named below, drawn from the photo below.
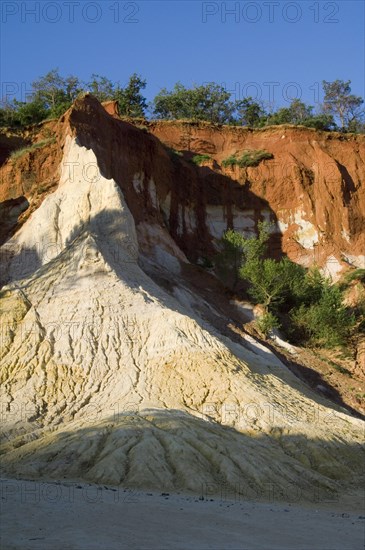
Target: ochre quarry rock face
(111, 107)
(311, 190)
(112, 370)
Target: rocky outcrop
(112, 370)
(311, 189)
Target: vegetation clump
(308, 307)
(18, 153)
(267, 322)
(354, 275)
(200, 159)
(52, 94)
(249, 158)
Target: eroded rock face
(108, 376)
(311, 189)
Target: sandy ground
(78, 516)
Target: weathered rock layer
(108, 376)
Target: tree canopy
(52, 94)
(298, 113)
(340, 103)
(130, 99)
(250, 113)
(210, 102)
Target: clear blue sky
(268, 43)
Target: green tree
(170, 105)
(339, 102)
(242, 257)
(101, 87)
(49, 89)
(267, 322)
(271, 281)
(298, 113)
(326, 321)
(249, 113)
(357, 125)
(55, 92)
(230, 257)
(29, 113)
(8, 114)
(131, 101)
(213, 103)
(210, 102)
(255, 248)
(321, 121)
(72, 87)
(307, 301)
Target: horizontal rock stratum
(111, 369)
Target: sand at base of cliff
(79, 516)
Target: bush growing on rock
(248, 158)
(310, 304)
(267, 322)
(199, 159)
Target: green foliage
(210, 102)
(253, 158)
(236, 249)
(272, 282)
(53, 94)
(130, 99)
(230, 257)
(29, 113)
(298, 113)
(266, 323)
(255, 248)
(230, 161)
(8, 114)
(18, 153)
(313, 305)
(357, 125)
(326, 322)
(101, 87)
(320, 122)
(250, 113)
(199, 159)
(247, 159)
(339, 102)
(356, 274)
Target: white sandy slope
(107, 377)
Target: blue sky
(271, 50)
